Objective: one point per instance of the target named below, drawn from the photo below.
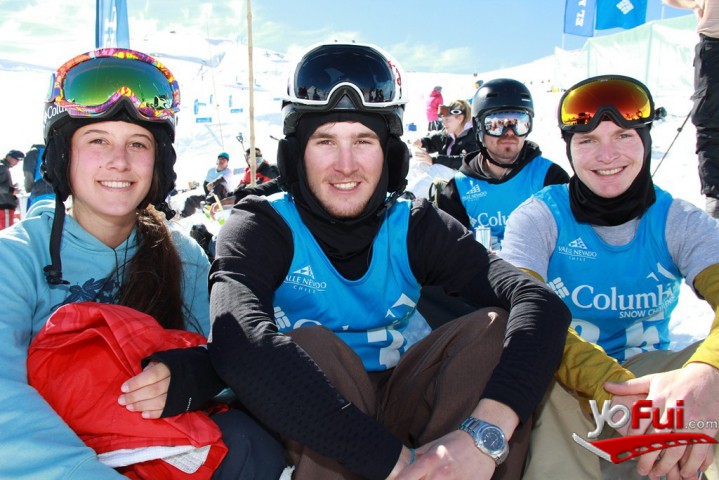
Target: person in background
(35, 184)
(448, 146)
(222, 170)
(508, 168)
(610, 233)
(705, 114)
(267, 181)
(265, 170)
(8, 189)
(433, 102)
(112, 154)
(313, 294)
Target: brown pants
(435, 386)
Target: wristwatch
(488, 437)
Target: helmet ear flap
(288, 156)
(397, 155)
(55, 163)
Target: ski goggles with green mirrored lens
(371, 79)
(624, 100)
(91, 84)
(497, 123)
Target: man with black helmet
(363, 388)
(507, 169)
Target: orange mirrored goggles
(624, 100)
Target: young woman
(449, 145)
(109, 130)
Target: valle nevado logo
(577, 250)
(474, 193)
(304, 279)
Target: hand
(421, 155)
(451, 457)
(405, 456)
(147, 391)
(697, 384)
(628, 401)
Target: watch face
(492, 438)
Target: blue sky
(455, 36)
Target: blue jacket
(34, 441)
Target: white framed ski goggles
(372, 78)
(497, 123)
(444, 110)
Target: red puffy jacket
(78, 362)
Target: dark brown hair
(153, 277)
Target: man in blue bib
(314, 292)
(507, 169)
(615, 247)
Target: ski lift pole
(253, 160)
(679, 130)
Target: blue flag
(620, 13)
(111, 28)
(579, 17)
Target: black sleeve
(263, 189)
(434, 142)
(450, 202)
(270, 374)
(193, 381)
(5, 180)
(273, 171)
(451, 161)
(555, 175)
(442, 252)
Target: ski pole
(679, 130)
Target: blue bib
(372, 314)
(489, 204)
(622, 297)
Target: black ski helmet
(349, 77)
(108, 85)
(499, 94)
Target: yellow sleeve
(585, 366)
(707, 285)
